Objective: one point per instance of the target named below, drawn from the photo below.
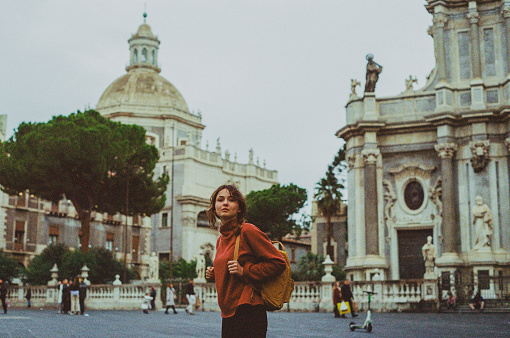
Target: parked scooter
(367, 325)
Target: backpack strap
(236, 255)
(236, 247)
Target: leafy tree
(310, 268)
(8, 267)
(328, 194)
(88, 159)
(180, 269)
(272, 209)
(103, 266)
(38, 270)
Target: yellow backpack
(275, 291)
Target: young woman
(242, 307)
(170, 298)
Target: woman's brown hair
(236, 194)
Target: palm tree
(329, 196)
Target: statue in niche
(429, 256)
(200, 267)
(153, 267)
(373, 71)
(482, 220)
(389, 198)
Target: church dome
(142, 87)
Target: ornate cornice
(407, 166)
(446, 150)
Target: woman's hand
(235, 268)
(209, 273)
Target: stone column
(450, 228)
(371, 211)
(473, 17)
(440, 21)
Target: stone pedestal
(429, 291)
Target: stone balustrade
(307, 296)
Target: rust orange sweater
(258, 257)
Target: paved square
(48, 323)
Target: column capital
(370, 155)
(351, 160)
(473, 17)
(440, 20)
(446, 150)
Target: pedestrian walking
(242, 308)
(3, 294)
(191, 297)
(337, 298)
(28, 296)
(153, 300)
(82, 294)
(348, 297)
(170, 298)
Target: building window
(19, 235)
(202, 220)
(414, 195)
(135, 56)
(293, 255)
(492, 96)
(464, 56)
(153, 57)
(109, 241)
(53, 234)
(164, 219)
(490, 59)
(144, 55)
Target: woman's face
(226, 206)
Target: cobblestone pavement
(48, 323)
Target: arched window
(202, 220)
(144, 55)
(135, 56)
(153, 57)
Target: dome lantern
(143, 48)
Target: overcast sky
(272, 75)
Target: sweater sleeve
(268, 260)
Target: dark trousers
(248, 322)
(170, 306)
(335, 310)
(4, 304)
(82, 305)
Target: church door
(410, 257)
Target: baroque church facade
(435, 161)
(181, 229)
(144, 98)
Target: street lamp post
(126, 231)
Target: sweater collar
(230, 227)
